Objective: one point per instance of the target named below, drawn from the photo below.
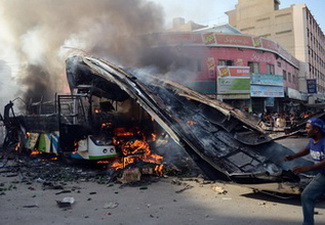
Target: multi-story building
(243, 70)
(294, 28)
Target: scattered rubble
(111, 205)
(66, 202)
(130, 175)
(184, 189)
(30, 206)
(219, 190)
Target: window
(284, 75)
(225, 62)
(254, 67)
(276, 4)
(279, 64)
(270, 69)
(289, 77)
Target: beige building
(179, 25)
(294, 28)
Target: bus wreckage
(111, 111)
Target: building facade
(294, 28)
(243, 70)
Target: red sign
(234, 71)
(234, 40)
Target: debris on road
(130, 175)
(66, 202)
(187, 187)
(30, 206)
(111, 205)
(219, 190)
(63, 192)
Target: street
(162, 201)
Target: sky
(34, 33)
(211, 12)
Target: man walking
(315, 129)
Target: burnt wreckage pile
(123, 115)
(226, 143)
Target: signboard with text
(267, 79)
(267, 91)
(311, 86)
(233, 71)
(231, 85)
(233, 80)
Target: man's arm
(316, 166)
(303, 152)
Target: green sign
(233, 85)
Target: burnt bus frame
(70, 132)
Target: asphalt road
(294, 143)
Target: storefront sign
(233, 71)
(267, 91)
(234, 96)
(267, 79)
(233, 85)
(311, 86)
(233, 80)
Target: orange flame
(191, 122)
(135, 147)
(159, 170)
(107, 124)
(17, 146)
(75, 147)
(123, 132)
(35, 152)
(154, 136)
(138, 150)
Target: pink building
(273, 72)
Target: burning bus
(88, 125)
(114, 113)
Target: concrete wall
(300, 34)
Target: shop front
(267, 93)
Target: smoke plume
(44, 32)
